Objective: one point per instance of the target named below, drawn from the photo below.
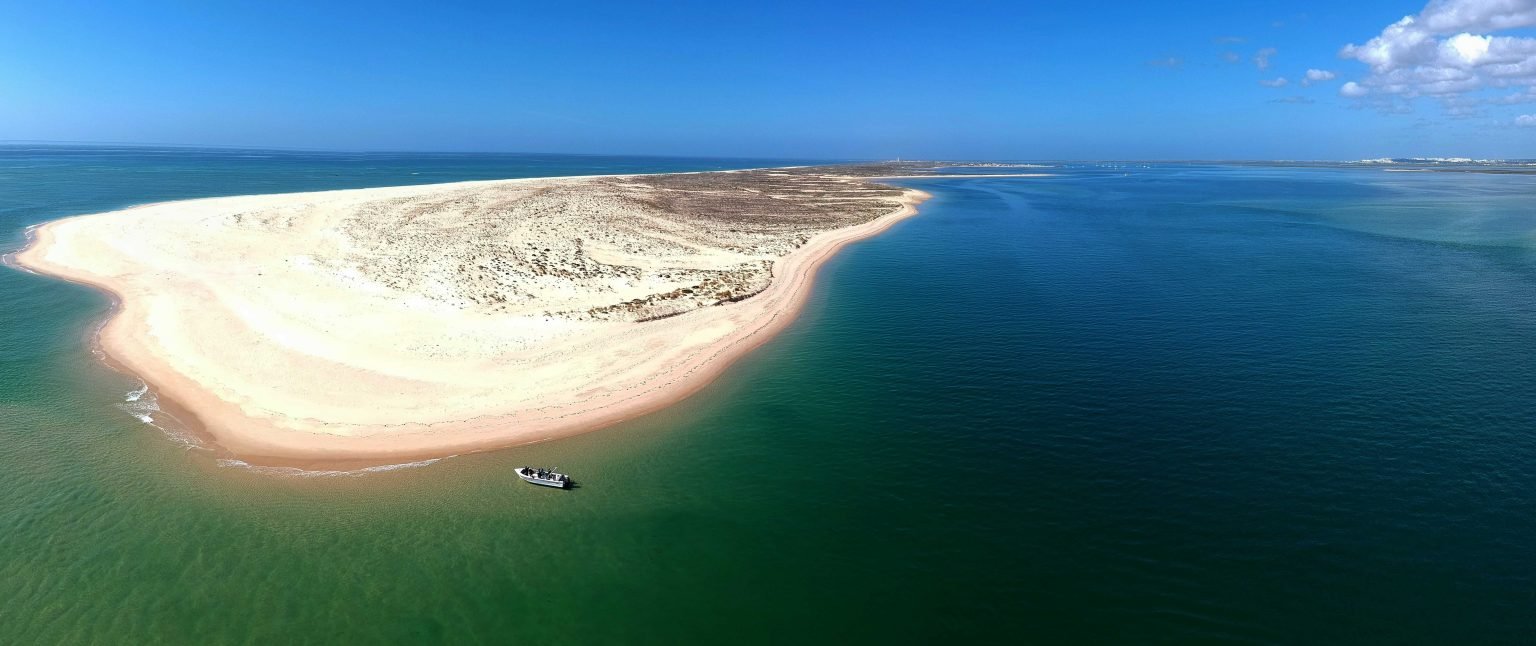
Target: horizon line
(843, 160)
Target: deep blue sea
(1125, 403)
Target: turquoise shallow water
(1122, 404)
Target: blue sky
(1000, 80)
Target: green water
(1168, 405)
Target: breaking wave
(142, 404)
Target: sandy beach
(400, 323)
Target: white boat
(545, 477)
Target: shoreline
(232, 435)
(962, 176)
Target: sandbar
(410, 322)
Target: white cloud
(1528, 95)
(1279, 82)
(1445, 16)
(1448, 50)
(1231, 57)
(1353, 90)
(1261, 58)
(1170, 62)
(1317, 76)
(1465, 49)
(1527, 120)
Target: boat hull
(558, 484)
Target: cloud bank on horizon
(1452, 51)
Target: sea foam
(295, 472)
(142, 404)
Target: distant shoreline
(962, 176)
(146, 319)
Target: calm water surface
(1122, 404)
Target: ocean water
(1122, 404)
